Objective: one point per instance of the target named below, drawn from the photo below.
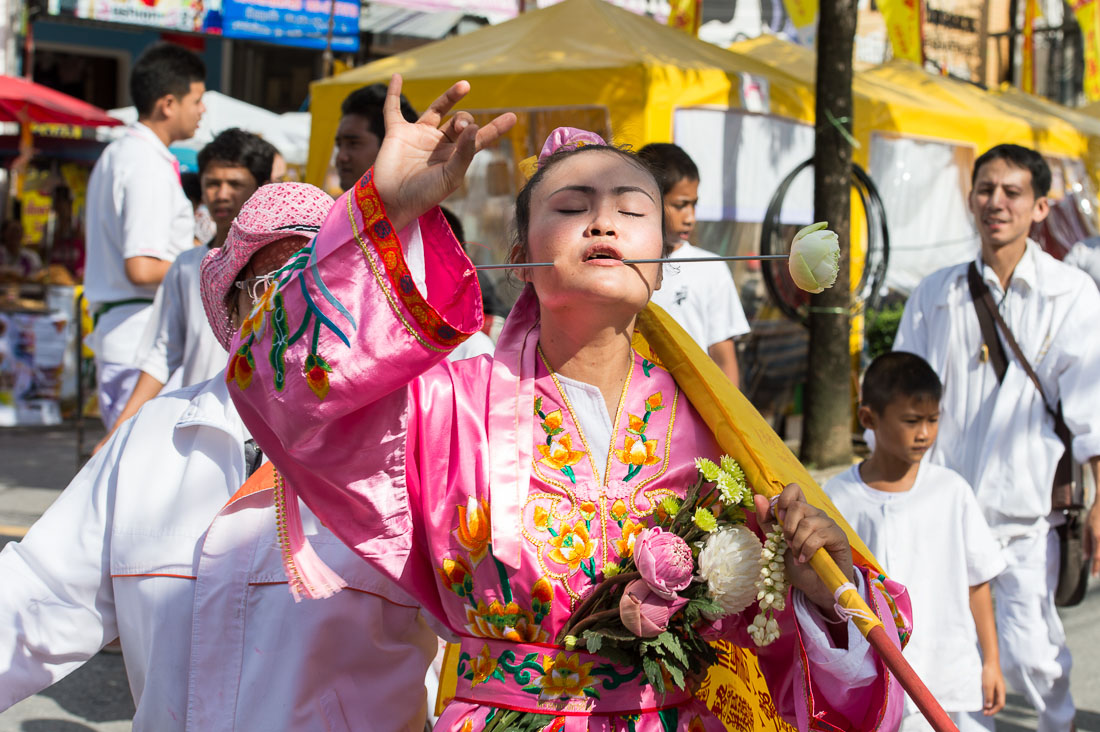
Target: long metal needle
(737, 258)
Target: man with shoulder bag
(1010, 335)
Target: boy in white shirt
(701, 296)
(924, 524)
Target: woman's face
(590, 212)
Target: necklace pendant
(983, 357)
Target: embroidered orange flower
(619, 511)
(483, 666)
(638, 452)
(509, 622)
(473, 529)
(572, 545)
(317, 370)
(542, 597)
(625, 544)
(560, 454)
(457, 576)
(588, 510)
(636, 424)
(254, 323)
(541, 518)
(240, 367)
(654, 403)
(565, 677)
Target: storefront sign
(301, 23)
(903, 26)
(183, 15)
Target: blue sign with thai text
(302, 23)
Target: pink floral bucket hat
(274, 212)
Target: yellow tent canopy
(578, 52)
(899, 97)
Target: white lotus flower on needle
(815, 257)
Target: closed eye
(631, 213)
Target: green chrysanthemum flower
(705, 520)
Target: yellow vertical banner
(802, 12)
(1088, 17)
(903, 26)
(685, 15)
(1027, 65)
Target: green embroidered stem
(502, 572)
(615, 679)
(521, 672)
(316, 336)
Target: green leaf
(676, 674)
(672, 643)
(589, 691)
(592, 641)
(653, 675)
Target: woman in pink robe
(494, 490)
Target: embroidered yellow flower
(560, 454)
(483, 666)
(572, 545)
(565, 677)
(637, 452)
(509, 622)
(625, 545)
(473, 529)
(654, 402)
(637, 424)
(588, 510)
(619, 511)
(457, 576)
(541, 518)
(553, 420)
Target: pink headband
(563, 138)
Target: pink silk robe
(414, 461)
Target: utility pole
(326, 56)
(826, 435)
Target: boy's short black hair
(669, 163)
(367, 103)
(237, 147)
(1020, 157)
(899, 374)
(163, 68)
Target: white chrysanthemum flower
(730, 564)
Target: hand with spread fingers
(421, 163)
(806, 529)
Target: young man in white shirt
(177, 338)
(701, 296)
(157, 542)
(999, 435)
(360, 131)
(138, 218)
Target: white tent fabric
(289, 133)
(923, 187)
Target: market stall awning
(25, 101)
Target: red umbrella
(23, 101)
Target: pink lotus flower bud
(643, 612)
(664, 561)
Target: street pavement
(36, 463)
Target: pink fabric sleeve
(806, 694)
(323, 364)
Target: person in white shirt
(138, 218)
(999, 435)
(924, 524)
(177, 341)
(163, 547)
(701, 296)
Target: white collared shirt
(178, 335)
(932, 539)
(146, 544)
(135, 208)
(701, 297)
(999, 437)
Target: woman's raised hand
(421, 163)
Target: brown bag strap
(984, 307)
(983, 303)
